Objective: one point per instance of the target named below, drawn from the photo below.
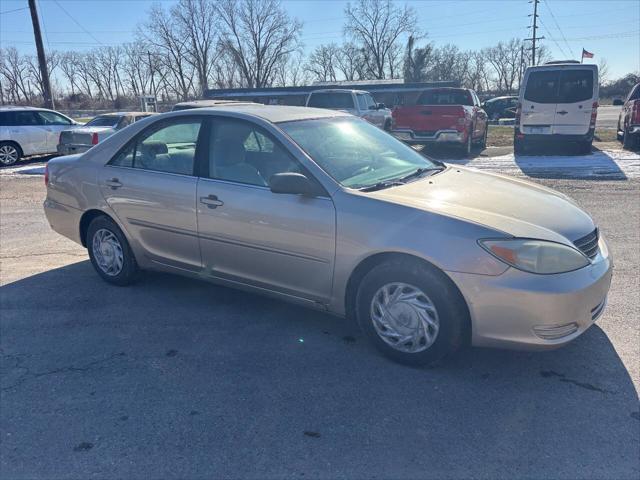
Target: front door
(53, 123)
(151, 187)
(249, 235)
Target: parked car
(355, 102)
(618, 102)
(82, 138)
(206, 103)
(501, 107)
(324, 209)
(558, 103)
(445, 116)
(26, 131)
(629, 120)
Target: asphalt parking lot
(174, 378)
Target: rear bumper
(63, 219)
(70, 149)
(554, 137)
(441, 136)
(535, 312)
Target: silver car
(324, 209)
(82, 138)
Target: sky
(608, 28)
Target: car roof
(210, 103)
(20, 107)
(338, 90)
(560, 66)
(121, 114)
(501, 98)
(271, 113)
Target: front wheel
(110, 253)
(410, 312)
(9, 153)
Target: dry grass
(502, 136)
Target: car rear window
(575, 86)
(542, 87)
(105, 121)
(445, 97)
(566, 86)
(331, 100)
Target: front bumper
(70, 149)
(526, 311)
(441, 136)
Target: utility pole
(534, 33)
(42, 59)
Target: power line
(546, 2)
(14, 10)
(560, 47)
(76, 22)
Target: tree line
(182, 50)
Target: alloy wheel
(8, 154)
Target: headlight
(536, 256)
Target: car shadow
(176, 375)
(565, 161)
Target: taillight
(594, 114)
(94, 139)
(46, 175)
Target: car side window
(164, 147)
(362, 102)
(51, 118)
(244, 153)
(26, 119)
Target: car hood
(513, 206)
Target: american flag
(586, 54)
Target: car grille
(588, 244)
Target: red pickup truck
(629, 120)
(442, 115)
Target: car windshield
(103, 121)
(331, 100)
(354, 152)
(445, 97)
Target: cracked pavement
(174, 378)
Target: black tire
(483, 142)
(468, 146)
(519, 147)
(129, 271)
(585, 147)
(629, 142)
(10, 153)
(387, 126)
(451, 310)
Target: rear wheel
(110, 253)
(483, 142)
(518, 146)
(387, 125)
(10, 153)
(629, 141)
(468, 146)
(410, 312)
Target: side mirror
(381, 106)
(292, 183)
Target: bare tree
(322, 63)
(350, 62)
(197, 22)
(377, 26)
(258, 34)
(603, 71)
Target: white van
(558, 102)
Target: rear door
(539, 102)
(52, 123)
(252, 236)
(151, 187)
(576, 96)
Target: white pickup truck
(355, 102)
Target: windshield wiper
(381, 185)
(420, 172)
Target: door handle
(211, 201)
(562, 112)
(114, 183)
